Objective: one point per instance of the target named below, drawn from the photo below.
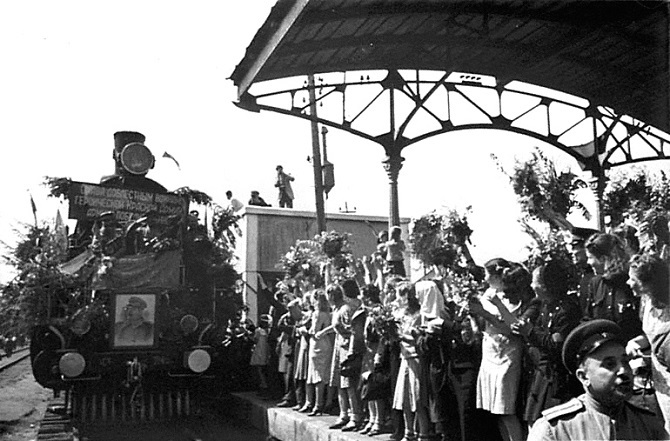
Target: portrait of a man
(134, 320)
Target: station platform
(285, 424)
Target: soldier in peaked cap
(576, 240)
(595, 353)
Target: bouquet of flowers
(437, 237)
(303, 256)
(333, 243)
(384, 322)
(463, 288)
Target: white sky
(75, 72)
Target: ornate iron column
(392, 165)
(597, 184)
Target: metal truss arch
(397, 108)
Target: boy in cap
(595, 353)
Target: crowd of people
(522, 348)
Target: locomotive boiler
(154, 296)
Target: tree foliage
(544, 193)
(635, 195)
(39, 285)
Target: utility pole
(316, 158)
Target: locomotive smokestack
(122, 139)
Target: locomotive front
(145, 332)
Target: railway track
(207, 421)
(16, 357)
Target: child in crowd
(261, 354)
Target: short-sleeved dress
(321, 350)
(500, 370)
(408, 393)
(301, 364)
(340, 341)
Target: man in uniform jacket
(595, 353)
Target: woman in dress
(499, 375)
(320, 352)
(302, 355)
(336, 300)
(372, 362)
(649, 279)
(286, 345)
(408, 395)
(350, 326)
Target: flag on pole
(34, 208)
(169, 156)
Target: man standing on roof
(284, 185)
(595, 352)
(233, 204)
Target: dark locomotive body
(147, 255)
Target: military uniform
(583, 418)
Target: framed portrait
(134, 315)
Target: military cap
(580, 234)
(137, 302)
(586, 338)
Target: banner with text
(88, 201)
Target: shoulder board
(640, 407)
(566, 408)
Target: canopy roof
(613, 53)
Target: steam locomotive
(155, 303)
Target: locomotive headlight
(136, 158)
(80, 325)
(188, 324)
(71, 364)
(198, 360)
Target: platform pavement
(285, 424)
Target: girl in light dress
(320, 352)
(499, 375)
(409, 395)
